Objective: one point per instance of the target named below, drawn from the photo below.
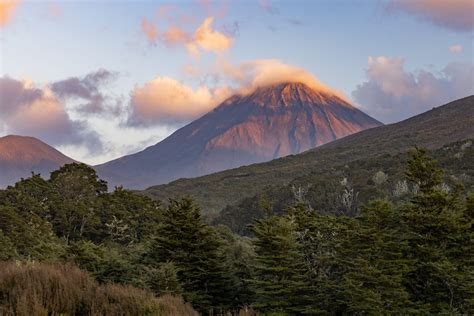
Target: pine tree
(373, 255)
(433, 224)
(193, 248)
(279, 271)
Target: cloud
(208, 39)
(204, 38)
(455, 49)
(150, 31)
(164, 100)
(28, 110)
(456, 15)
(263, 72)
(392, 94)
(7, 10)
(86, 88)
(268, 7)
(54, 10)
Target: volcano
(271, 122)
(20, 156)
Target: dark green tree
(373, 253)
(279, 279)
(193, 247)
(434, 228)
(75, 203)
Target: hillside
(433, 129)
(20, 156)
(272, 122)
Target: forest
(68, 246)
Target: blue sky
(47, 42)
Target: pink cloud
(456, 15)
(204, 38)
(150, 31)
(164, 100)
(207, 39)
(32, 111)
(456, 49)
(391, 93)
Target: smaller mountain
(20, 156)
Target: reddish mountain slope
(19, 156)
(271, 122)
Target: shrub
(45, 289)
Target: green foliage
(164, 279)
(193, 247)
(324, 185)
(279, 278)
(403, 253)
(238, 259)
(438, 238)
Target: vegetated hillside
(20, 156)
(344, 189)
(272, 122)
(433, 129)
(414, 254)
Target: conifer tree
(434, 229)
(193, 248)
(373, 254)
(279, 271)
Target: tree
(75, 204)
(433, 226)
(373, 255)
(239, 256)
(193, 248)
(279, 271)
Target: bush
(45, 289)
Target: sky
(101, 79)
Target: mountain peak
(287, 94)
(28, 150)
(21, 155)
(271, 122)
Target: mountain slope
(269, 123)
(443, 125)
(19, 156)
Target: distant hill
(440, 126)
(20, 155)
(271, 122)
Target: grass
(63, 289)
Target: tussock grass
(54, 289)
